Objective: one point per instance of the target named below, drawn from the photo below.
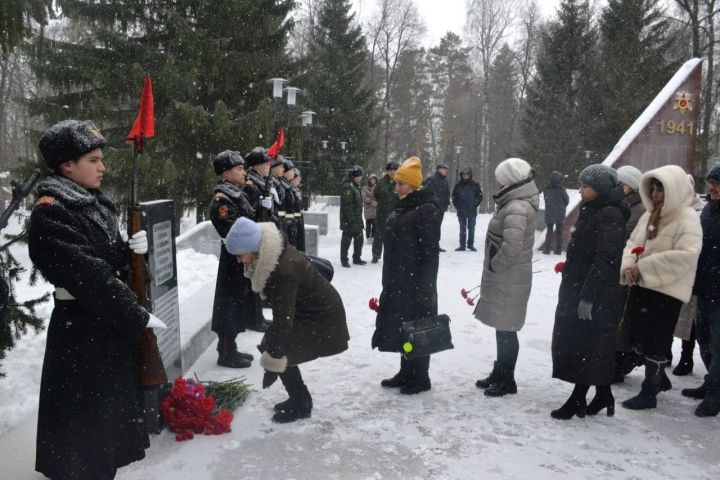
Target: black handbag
(321, 265)
(426, 336)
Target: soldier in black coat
(295, 178)
(466, 197)
(91, 412)
(235, 306)
(583, 342)
(277, 168)
(409, 278)
(291, 206)
(259, 188)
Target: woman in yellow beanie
(410, 268)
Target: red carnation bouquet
(191, 407)
(559, 267)
(467, 295)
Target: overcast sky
(442, 15)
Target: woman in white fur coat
(308, 313)
(662, 276)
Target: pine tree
(336, 88)
(208, 69)
(411, 108)
(16, 17)
(553, 127)
(635, 62)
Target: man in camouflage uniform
(386, 199)
(351, 219)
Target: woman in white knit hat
(507, 269)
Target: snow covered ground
(360, 431)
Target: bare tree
(489, 23)
(305, 21)
(395, 29)
(526, 52)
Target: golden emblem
(683, 102)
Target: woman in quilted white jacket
(659, 265)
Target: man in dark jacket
(707, 288)
(556, 201)
(234, 306)
(466, 197)
(259, 187)
(438, 183)
(309, 313)
(351, 220)
(386, 201)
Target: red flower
(638, 251)
(208, 404)
(464, 293)
(559, 267)
(374, 305)
(470, 301)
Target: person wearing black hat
(351, 220)
(291, 208)
(258, 186)
(293, 176)
(588, 311)
(91, 399)
(277, 168)
(234, 306)
(466, 198)
(386, 200)
(438, 182)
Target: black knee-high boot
(401, 378)
(575, 405)
(299, 405)
(420, 379)
(507, 348)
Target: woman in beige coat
(507, 269)
(661, 277)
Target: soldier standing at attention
(351, 220)
(386, 199)
(234, 307)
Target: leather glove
(155, 322)
(272, 364)
(266, 202)
(138, 243)
(585, 310)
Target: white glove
(266, 202)
(138, 243)
(274, 194)
(155, 322)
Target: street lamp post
(307, 120)
(277, 84)
(291, 102)
(458, 149)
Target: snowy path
(360, 431)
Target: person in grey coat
(556, 202)
(507, 269)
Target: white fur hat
(512, 171)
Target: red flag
(275, 147)
(144, 125)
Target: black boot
(696, 393)
(228, 356)
(685, 365)
(420, 379)
(708, 408)
(603, 399)
(575, 405)
(506, 385)
(655, 382)
(358, 261)
(490, 379)
(344, 262)
(299, 405)
(401, 378)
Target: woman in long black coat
(91, 412)
(410, 268)
(583, 343)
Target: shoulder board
(45, 200)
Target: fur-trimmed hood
(271, 247)
(678, 191)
